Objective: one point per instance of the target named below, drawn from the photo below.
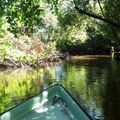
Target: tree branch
(112, 28)
(97, 17)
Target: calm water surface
(95, 84)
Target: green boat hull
(55, 103)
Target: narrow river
(95, 84)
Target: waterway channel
(94, 82)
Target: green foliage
(111, 11)
(23, 16)
(5, 48)
(25, 50)
(99, 36)
(28, 17)
(2, 27)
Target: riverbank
(42, 62)
(8, 63)
(89, 57)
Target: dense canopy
(74, 26)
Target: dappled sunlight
(44, 96)
(6, 116)
(40, 101)
(41, 110)
(52, 109)
(47, 112)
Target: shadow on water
(111, 104)
(93, 82)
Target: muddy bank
(89, 57)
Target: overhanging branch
(97, 17)
(112, 28)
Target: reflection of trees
(21, 85)
(112, 92)
(95, 79)
(48, 76)
(59, 72)
(95, 84)
(85, 81)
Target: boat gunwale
(46, 90)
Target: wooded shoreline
(8, 63)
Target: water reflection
(94, 84)
(112, 92)
(59, 72)
(17, 86)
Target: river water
(94, 83)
